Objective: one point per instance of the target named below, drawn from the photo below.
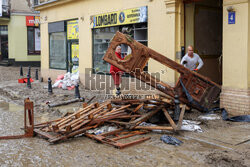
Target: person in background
(191, 59)
(116, 73)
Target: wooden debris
(105, 138)
(181, 117)
(28, 122)
(202, 91)
(169, 119)
(122, 113)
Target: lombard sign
(33, 21)
(129, 16)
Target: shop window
(3, 30)
(4, 42)
(101, 40)
(57, 50)
(34, 40)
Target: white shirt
(192, 62)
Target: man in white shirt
(191, 59)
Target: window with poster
(73, 45)
(33, 35)
(104, 26)
(64, 45)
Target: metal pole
(21, 71)
(28, 81)
(50, 86)
(36, 74)
(77, 92)
(29, 71)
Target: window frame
(34, 37)
(134, 25)
(66, 51)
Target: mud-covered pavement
(216, 146)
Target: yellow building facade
(19, 40)
(170, 26)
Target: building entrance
(203, 30)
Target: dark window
(57, 50)
(36, 2)
(101, 40)
(4, 42)
(34, 40)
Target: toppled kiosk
(192, 88)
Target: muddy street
(215, 146)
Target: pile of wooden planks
(124, 114)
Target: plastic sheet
(67, 81)
(241, 118)
(171, 140)
(192, 126)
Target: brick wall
(235, 101)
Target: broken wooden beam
(145, 117)
(170, 120)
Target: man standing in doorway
(191, 60)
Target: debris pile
(125, 115)
(67, 81)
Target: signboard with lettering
(129, 16)
(231, 17)
(33, 21)
(72, 29)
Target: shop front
(130, 21)
(97, 21)
(20, 40)
(33, 35)
(167, 26)
(64, 45)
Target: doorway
(4, 42)
(203, 30)
(73, 46)
(73, 56)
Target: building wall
(248, 75)
(17, 36)
(189, 29)
(235, 96)
(165, 29)
(23, 6)
(161, 29)
(235, 47)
